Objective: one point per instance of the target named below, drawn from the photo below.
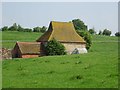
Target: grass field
(96, 69)
(10, 38)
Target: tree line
(19, 28)
(86, 33)
(104, 32)
(79, 25)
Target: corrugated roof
(29, 47)
(61, 31)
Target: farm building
(63, 32)
(27, 50)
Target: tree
(5, 28)
(14, 27)
(39, 29)
(117, 34)
(20, 28)
(92, 31)
(87, 37)
(36, 29)
(79, 25)
(81, 29)
(100, 32)
(11, 28)
(27, 30)
(106, 32)
(43, 29)
(53, 47)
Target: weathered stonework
(5, 54)
(71, 46)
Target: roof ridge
(60, 22)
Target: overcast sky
(99, 15)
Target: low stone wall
(5, 54)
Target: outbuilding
(27, 50)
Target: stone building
(65, 33)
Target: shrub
(92, 31)
(20, 29)
(27, 30)
(87, 37)
(5, 28)
(36, 29)
(40, 29)
(100, 32)
(43, 29)
(117, 34)
(53, 47)
(106, 32)
(14, 27)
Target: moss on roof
(29, 47)
(61, 31)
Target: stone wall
(5, 54)
(70, 47)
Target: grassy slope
(10, 38)
(98, 68)
(104, 38)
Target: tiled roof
(29, 47)
(61, 31)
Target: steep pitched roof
(29, 47)
(61, 31)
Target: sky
(60, 0)
(99, 15)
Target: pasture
(96, 69)
(10, 38)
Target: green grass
(103, 38)
(9, 38)
(0, 39)
(96, 69)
